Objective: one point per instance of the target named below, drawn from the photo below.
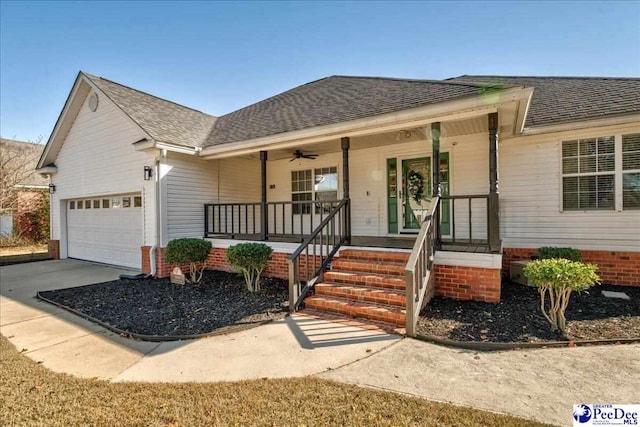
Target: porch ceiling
(449, 129)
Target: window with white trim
(631, 171)
(320, 184)
(588, 174)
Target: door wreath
(415, 186)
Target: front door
(415, 193)
(409, 193)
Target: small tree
(558, 278)
(250, 259)
(193, 252)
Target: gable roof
(163, 120)
(565, 99)
(332, 100)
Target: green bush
(549, 252)
(558, 278)
(250, 259)
(189, 251)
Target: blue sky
(217, 57)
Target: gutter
(583, 124)
(420, 116)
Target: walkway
(539, 384)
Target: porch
(376, 208)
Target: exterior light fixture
(52, 188)
(148, 173)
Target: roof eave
(618, 119)
(457, 109)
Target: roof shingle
(163, 120)
(566, 99)
(332, 100)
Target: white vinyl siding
(531, 213)
(97, 158)
(191, 182)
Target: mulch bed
(156, 307)
(517, 317)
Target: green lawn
(31, 395)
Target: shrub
(189, 251)
(549, 252)
(250, 259)
(558, 278)
(31, 221)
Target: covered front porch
(382, 184)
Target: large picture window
(320, 184)
(588, 173)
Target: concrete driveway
(537, 384)
(63, 342)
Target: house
(464, 175)
(20, 185)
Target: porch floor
(399, 242)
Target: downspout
(154, 248)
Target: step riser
(375, 256)
(362, 294)
(364, 267)
(394, 318)
(396, 283)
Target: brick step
(376, 256)
(360, 293)
(371, 280)
(357, 309)
(388, 268)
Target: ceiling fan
(300, 155)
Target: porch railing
(420, 280)
(470, 220)
(308, 262)
(283, 219)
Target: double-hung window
(588, 173)
(319, 184)
(601, 173)
(631, 171)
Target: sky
(220, 56)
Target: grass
(31, 395)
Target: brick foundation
(217, 260)
(468, 283)
(53, 248)
(616, 268)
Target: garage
(106, 229)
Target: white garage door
(105, 229)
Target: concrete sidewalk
(541, 384)
(537, 384)
(295, 346)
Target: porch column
(345, 144)
(494, 200)
(264, 217)
(435, 179)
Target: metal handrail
(468, 241)
(269, 219)
(419, 275)
(323, 243)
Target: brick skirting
(616, 268)
(468, 283)
(217, 260)
(53, 248)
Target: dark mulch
(517, 317)
(156, 307)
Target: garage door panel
(107, 235)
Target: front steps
(364, 284)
